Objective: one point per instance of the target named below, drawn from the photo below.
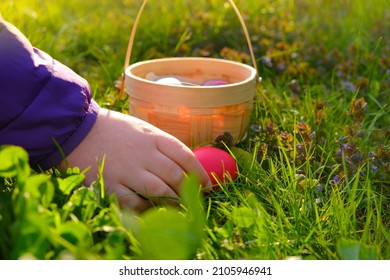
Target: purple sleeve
(42, 102)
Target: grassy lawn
(314, 178)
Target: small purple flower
(281, 66)
(374, 168)
(356, 158)
(267, 61)
(348, 86)
(336, 178)
(371, 154)
(345, 146)
(255, 127)
(360, 133)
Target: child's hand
(143, 164)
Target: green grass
(314, 182)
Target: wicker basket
(194, 114)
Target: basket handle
(133, 31)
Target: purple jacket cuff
(44, 104)
(74, 140)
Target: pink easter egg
(217, 163)
(215, 82)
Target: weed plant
(314, 177)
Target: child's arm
(44, 104)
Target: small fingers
(168, 171)
(150, 187)
(184, 157)
(129, 198)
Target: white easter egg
(169, 81)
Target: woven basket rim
(252, 76)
